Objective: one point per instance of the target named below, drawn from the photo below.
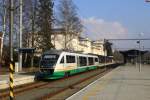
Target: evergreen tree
(45, 21)
(108, 47)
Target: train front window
(62, 60)
(96, 59)
(49, 60)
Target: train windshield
(49, 60)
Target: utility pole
(20, 37)
(11, 26)
(140, 56)
(11, 67)
(105, 50)
(136, 58)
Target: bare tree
(29, 19)
(3, 16)
(68, 19)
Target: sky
(116, 19)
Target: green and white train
(56, 64)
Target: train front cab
(47, 65)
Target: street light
(139, 42)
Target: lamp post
(135, 58)
(105, 53)
(139, 55)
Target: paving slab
(19, 79)
(123, 83)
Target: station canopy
(132, 53)
(129, 55)
(26, 50)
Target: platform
(123, 83)
(19, 79)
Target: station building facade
(73, 43)
(78, 44)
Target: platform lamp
(138, 42)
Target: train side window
(62, 60)
(96, 60)
(91, 62)
(70, 59)
(83, 61)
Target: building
(74, 43)
(98, 47)
(77, 43)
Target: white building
(75, 43)
(79, 44)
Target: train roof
(53, 52)
(60, 51)
(100, 55)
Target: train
(55, 64)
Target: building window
(70, 59)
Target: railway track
(71, 86)
(49, 89)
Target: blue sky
(132, 18)
(132, 14)
(114, 19)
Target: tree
(3, 20)
(29, 19)
(45, 21)
(108, 48)
(68, 19)
(117, 56)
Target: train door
(96, 61)
(78, 61)
(62, 63)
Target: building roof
(84, 39)
(58, 30)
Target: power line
(132, 39)
(130, 48)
